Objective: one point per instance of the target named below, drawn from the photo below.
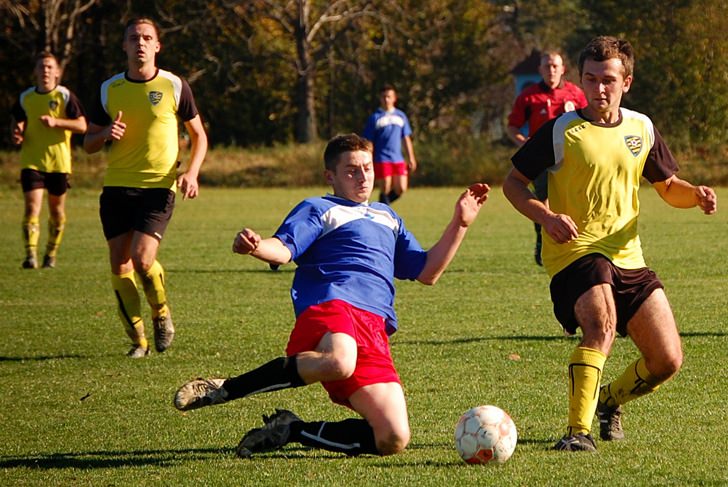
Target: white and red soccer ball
(485, 434)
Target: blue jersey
(386, 131)
(349, 251)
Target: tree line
(275, 71)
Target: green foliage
(450, 60)
(75, 411)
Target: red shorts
(374, 363)
(386, 168)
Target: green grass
(75, 411)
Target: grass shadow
(41, 358)
(108, 459)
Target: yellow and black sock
(31, 234)
(635, 381)
(153, 283)
(129, 307)
(55, 235)
(585, 374)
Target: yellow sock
(31, 234)
(55, 235)
(635, 381)
(129, 307)
(153, 282)
(585, 373)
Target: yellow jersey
(146, 156)
(594, 174)
(46, 149)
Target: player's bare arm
(270, 250)
(187, 182)
(75, 125)
(681, 194)
(97, 135)
(559, 227)
(17, 130)
(466, 211)
(514, 133)
(411, 159)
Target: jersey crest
(634, 144)
(155, 97)
(53, 104)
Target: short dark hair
(341, 144)
(387, 87)
(141, 20)
(603, 48)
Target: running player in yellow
(44, 117)
(596, 158)
(138, 113)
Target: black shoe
(273, 435)
(30, 262)
(273, 267)
(579, 442)
(49, 262)
(610, 422)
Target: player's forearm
(272, 251)
(442, 253)
(75, 125)
(523, 200)
(678, 193)
(198, 145)
(94, 141)
(515, 135)
(198, 150)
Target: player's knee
(393, 441)
(340, 366)
(141, 263)
(668, 366)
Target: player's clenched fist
(246, 241)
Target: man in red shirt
(536, 105)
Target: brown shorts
(146, 210)
(631, 287)
(57, 183)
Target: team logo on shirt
(155, 97)
(634, 144)
(53, 104)
(569, 106)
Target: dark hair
(141, 20)
(603, 48)
(387, 87)
(341, 144)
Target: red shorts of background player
(374, 363)
(386, 168)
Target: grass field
(75, 411)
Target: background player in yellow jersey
(138, 112)
(43, 119)
(600, 283)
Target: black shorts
(57, 183)
(631, 287)
(146, 210)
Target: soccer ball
(485, 434)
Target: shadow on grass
(483, 339)
(538, 338)
(39, 358)
(109, 459)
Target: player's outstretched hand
(470, 202)
(246, 241)
(707, 199)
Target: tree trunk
(306, 130)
